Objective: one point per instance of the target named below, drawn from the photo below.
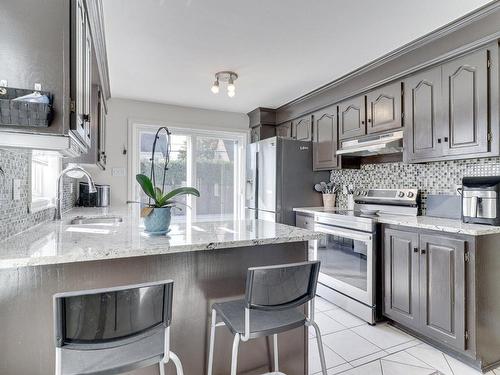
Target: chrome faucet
(70, 171)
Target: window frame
(135, 127)
(46, 199)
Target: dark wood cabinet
(302, 129)
(325, 139)
(352, 117)
(423, 100)
(401, 276)
(465, 83)
(384, 108)
(442, 289)
(284, 130)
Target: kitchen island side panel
(200, 279)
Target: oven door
(347, 261)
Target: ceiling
(168, 51)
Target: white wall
(120, 111)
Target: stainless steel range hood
(64, 145)
(388, 143)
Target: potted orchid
(157, 213)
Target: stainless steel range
(350, 253)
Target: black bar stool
(114, 330)
(272, 297)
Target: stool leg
(276, 360)
(162, 367)
(234, 356)
(212, 343)
(58, 361)
(320, 348)
(177, 363)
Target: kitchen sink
(107, 219)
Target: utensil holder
(350, 202)
(22, 113)
(329, 201)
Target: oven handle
(359, 236)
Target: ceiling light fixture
(228, 78)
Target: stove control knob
(365, 193)
(358, 192)
(410, 194)
(401, 194)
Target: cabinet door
(465, 83)
(101, 130)
(384, 108)
(254, 134)
(284, 130)
(442, 289)
(423, 122)
(352, 116)
(325, 140)
(87, 83)
(401, 277)
(78, 26)
(302, 129)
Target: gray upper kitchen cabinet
(325, 139)
(384, 108)
(284, 130)
(423, 100)
(465, 89)
(352, 117)
(302, 129)
(442, 289)
(401, 276)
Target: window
(211, 161)
(44, 171)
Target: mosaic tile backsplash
(431, 178)
(14, 215)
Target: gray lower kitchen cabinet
(424, 284)
(302, 129)
(423, 100)
(325, 139)
(284, 130)
(442, 289)
(383, 108)
(352, 117)
(401, 276)
(304, 221)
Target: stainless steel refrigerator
(280, 177)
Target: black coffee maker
(480, 200)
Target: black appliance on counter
(97, 199)
(480, 200)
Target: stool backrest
(102, 318)
(281, 287)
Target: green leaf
(158, 194)
(182, 191)
(146, 185)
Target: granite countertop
(424, 222)
(60, 242)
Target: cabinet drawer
(304, 221)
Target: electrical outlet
(118, 172)
(16, 189)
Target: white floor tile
(326, 324)
(382, 335)
(338, 369)
(394, 368)
(406, 345)
(405, 358)
(349, 345)
(331, 358)
(432, 357)
(372, 368)
(460, 368)
(322, 305)
(345, 318)
(368, 358)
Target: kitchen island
(207, 260)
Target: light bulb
(230, 85)
(230, 93)
(215, 87)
